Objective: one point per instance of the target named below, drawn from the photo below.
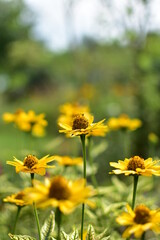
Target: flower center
(135, 162)
(30, 161)
(142, 215)
(80, 122)
(59, 189)
(19, 196)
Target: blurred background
(100, 53)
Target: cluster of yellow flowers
(64, 194)
(27, 121)
(124, 122)
(140, 219)
(57, 191)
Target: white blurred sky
(89, 17)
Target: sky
(60, 25)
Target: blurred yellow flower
(18, 199)
(139, 221)
(68, 111)
(72, 109)
(32, 164)
(82, 124)
(136, 165)
(124, 122)
(60, 192)
(27, 121)
(153, 138)
(68, 161)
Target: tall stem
(58, 220)
(16, 219)
(134, 190)
(143, 236)
(93, 178)
(35, 211)
(84, 176)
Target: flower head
(139, 221)
(124, 122)
(27, 121)
(136, 165)
(68, 161)
(82, 124)
(61, 193)
(18, 199)
(31, 164)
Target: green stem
(84, 176)
(35, 211)
(93, 178)
(84, 155)
(32, 178)
(143, 236)
(134, 190)
(58, 220)
(16, 219)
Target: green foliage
(48, 227)
(20, 237)
(90, 235)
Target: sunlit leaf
(64, 236)
(20, 237)
(103, 235)
(48, 227)
(74, 235)
(90, 233)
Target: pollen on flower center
(30, 161)
(142, 215)
(19, 196)
(135, 162)
(59, 189)
(80, 122)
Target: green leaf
(74, 235)
(20, 237)
(106, 238)
(64, 236)
(103, 235)
(48, 227)
(90, 233)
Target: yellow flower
(124, 122)
(68, 161)
(18, 199)
(100, 131)
(139, 221)
(72, 109)
(27, 121)
(136, 165)
(8, 117)
(32, 164)
(153, 138)
(82, 124)
(61, 193)
(68, 111)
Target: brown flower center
(80, 122)
(142, 214)
(30, 161)
(19, 196)
(135, 162)
(59, 189)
